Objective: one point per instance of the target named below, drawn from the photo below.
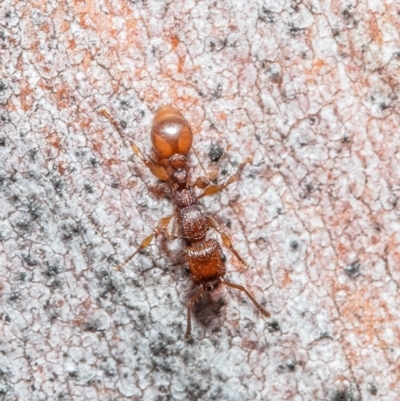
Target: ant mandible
(204, 260)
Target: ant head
(171, 133)
(177, 161)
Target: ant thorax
(179, 177)
(184, 197)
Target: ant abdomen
(171, 133)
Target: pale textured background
(310, 90)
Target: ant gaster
(204, 261)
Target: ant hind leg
(241, 288)
(190, 304)
(225, 239)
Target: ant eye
(223, 257)
(186, 269)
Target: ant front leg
(156, 169)
(225, 239)
(211, 189)
(161, 226)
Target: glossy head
(171, 133)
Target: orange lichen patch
(84, 10)
(72, 44)
(318, 64)
(341, 249)
(181, 63)
(352, 68)
(344, 214)
(87, 61)
(84, 310)
(89, 14)
(393, 249)
(315, 69)
(87, 304)
(131, 27)
(83, 20)
(186, 100)
(41, 5)
(96, 146)
(11, 104)
(46, 28)
(131, 184)
(174, 41)
(221, 116)
(240, 125)
(60, 167)
(375, 32)
(60, 303)
(85, 123)
(46, 69)
(24, 97)
(111, 162)
(54, 140)
(374, 240)
(43, 84)
(385, 149)
(152, 95)
(64, 25)
(286, 279)
(249, 345)
(277, 79)
(62, 96)
(361, 310)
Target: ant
(172, 138)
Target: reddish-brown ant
(205, 263)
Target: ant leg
(241, 288)
(225, 239)
(175, 231)
(204, 182)
(156, 169)
(190, 304)
(161, 226)
(215, 188)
